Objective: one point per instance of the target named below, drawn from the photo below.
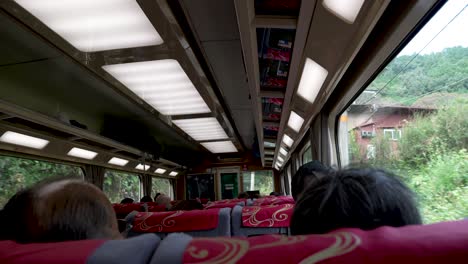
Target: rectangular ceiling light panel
(96, 25)
(160, 171)
(220, 147)
(23, 140)
(280, 159)
(295, 121)
(173, 173)
(347, 10)
(312, 79)
(283, 151)
(82, 153)
(288, 140)
(118, 161)
(142, 167)
(163, 84)
(205, 128)
(268, 144)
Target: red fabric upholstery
(124, 209)
(176, 221)
(222, 205)
(204, 200)
(267, 216)
(73, 252)
(156, 208)
(438, 243)
(271, 200)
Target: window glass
(412, 118)
(162, 185)
(307, 156)
(289, 174)
(119, 185)
(19, 173)
(258, 180)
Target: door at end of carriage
(200, 186)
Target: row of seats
(240, 221)
(230, 217)
(437, 243)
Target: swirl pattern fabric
(176, 221)
(436, 244)
(273, 200)
(267, 216)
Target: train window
(162, 185)
(412, 118)
(258, 180)
(18, 173)
(119, 185)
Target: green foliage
(119, 185)
(160, 185)
(433, 160)
(263, 181)
(445, 71)
(18, 173)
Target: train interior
(222, 101)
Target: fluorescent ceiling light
(206, 128)
(163, 84)
(280, 159)
(347, 10)
(295, 121)
(283, 151)
(160, 171)
(269, 152)
(312, 79)
(96, 25)
(220, 146)
(288, 140)
(23, 140)
(142, 167)
(82, 153)
(269, 144)
(173, 173)
(269, 158)
(118, 161)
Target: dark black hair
(275, 194)
(146, 199)
(58, 209)
(127, 200)
(243, 195)
(156, 196)
(305, 175)
(359, 198)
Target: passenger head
(243, 195)
(127, 201)
(156, 196)
(187, 205)
(146, 199)
(307, 174)
(359, 198)
(58, 210)
(275, 194)
(163, 199)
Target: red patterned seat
(438, 243)
(134, 250)
(121, 210)
(274, 200)
(267, 215)
(224, 204)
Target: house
(369, 121)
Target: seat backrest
(176, 221)
(135, 250)
(438, 243)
